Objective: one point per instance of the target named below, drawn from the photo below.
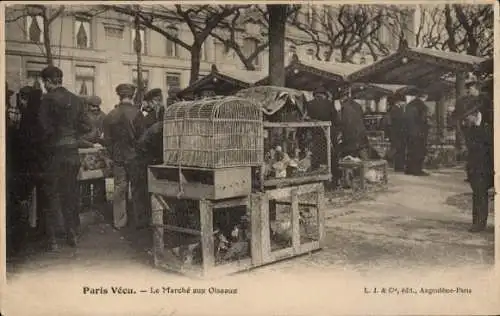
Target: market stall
(308, 75)
(221, 82)
(222, 205)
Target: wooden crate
(166, 258)
(260, 242)
(292, 198)
(200, 183)
(354, 172)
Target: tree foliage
(348, 29)
(231, 32)
(201, 20)
(461, 28)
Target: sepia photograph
(171, 158)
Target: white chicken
(283, 160)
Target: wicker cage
(216, 132)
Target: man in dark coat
(321, 109)
(173, 95)
(63, 120)
(477, 117)
(93, 139)
(416, 133)
(150, 144)
(123, 127)
(396, 131)
(153, 109)
(96, 119)
(354, 136)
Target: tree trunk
(195, 62)
(277, 22)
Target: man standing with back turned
(63, 120)
(123, 127)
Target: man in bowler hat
(63, 120)
(123, 127)
(476, 115)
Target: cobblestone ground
(418, 221)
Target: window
(34, 29)
(82, 33)
(144, 43)
(145, 79)
(250, 45)
(171, 47)
(174, 80)
(85, 80)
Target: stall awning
(223, 82)
(416, 66)
(375, 91)
(309, 75)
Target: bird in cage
(239, 247)
(281, 164)
(281, 230)
(304, 165)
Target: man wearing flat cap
(96, 118)
(416, 134)
(63, 121)
(93, 139)
(475, 112)
(153, 108)
(123, 127)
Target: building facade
(96, 53)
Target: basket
(218, 132)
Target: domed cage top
(217, 132)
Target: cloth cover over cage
(217, 132)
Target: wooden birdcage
(218, 132)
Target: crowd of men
(45, 133)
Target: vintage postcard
(226, 158)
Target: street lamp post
(138, 49)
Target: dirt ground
(418, 221)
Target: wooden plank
(329, 151)
(207, 240)
(265, 228)
(297, 180)
(296, 124)
(256, 229)
(238, 201)
(91, 175)
(320, 210)
(183, 230)
(301, 204)
(295, 221)
(158, 232)
(279, 194)
(195, 191)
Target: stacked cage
(213, 133)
